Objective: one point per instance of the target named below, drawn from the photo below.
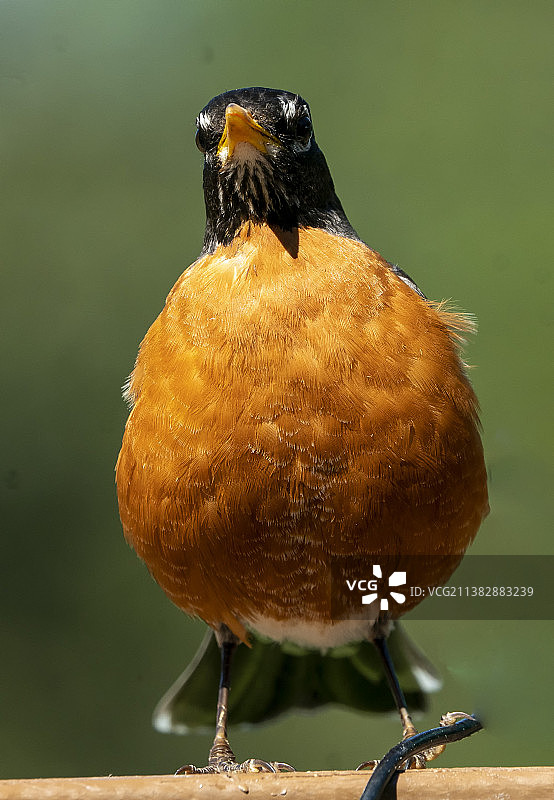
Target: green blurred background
(433, 117)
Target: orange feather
(288, 410)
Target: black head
(262, 163)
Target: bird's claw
(453, 716)
(258, 765)
(420, 760)
(416, 762)
(228, 765)
(367, 764)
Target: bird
(297, 404)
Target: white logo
(395, 579)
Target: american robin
(298, 401)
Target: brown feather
(288, 410)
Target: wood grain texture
(483, 783)
(289, 408)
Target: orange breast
(288, 410)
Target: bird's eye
(304, 128)
(201, 139)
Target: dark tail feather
(269, 679)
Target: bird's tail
(270, 679)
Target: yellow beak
(241, 127)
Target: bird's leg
(220, 752)
(222, 758)
(408, 727)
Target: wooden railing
(477, 783)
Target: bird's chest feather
(310, 351)
(305, 398)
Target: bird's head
(262, 164)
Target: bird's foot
(250, 765)
(420, 761)
(222, 760)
